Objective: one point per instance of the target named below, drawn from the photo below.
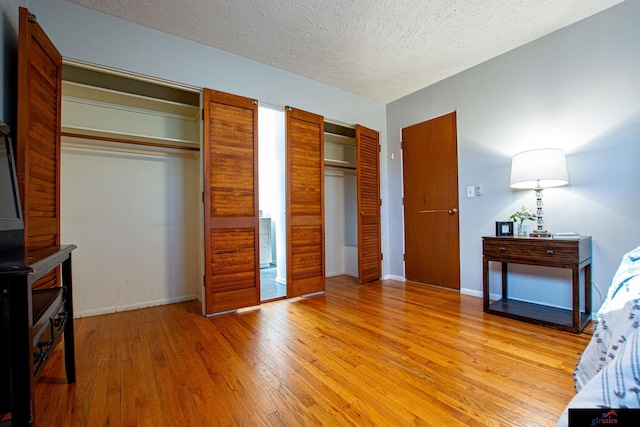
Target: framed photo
(504, 228)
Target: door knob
(452, 211)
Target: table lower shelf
(539, 314)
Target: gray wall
(576, 89)
(9, 59)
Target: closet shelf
(102, 118)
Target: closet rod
(130, 141)
(333, 165)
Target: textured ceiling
(379, 49)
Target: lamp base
(540, 233)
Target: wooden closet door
(368, 183)
(232, 258)
(305, 203)
(38, 137)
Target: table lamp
(538, 169)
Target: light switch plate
(471, 191)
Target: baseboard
(135, 306)
(334, 273)
(473, 292)
(392, 277)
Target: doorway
(430, 176)
(271, 175)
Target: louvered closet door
(305, 203)
(232, 260)
(368, 182)
(38, 137)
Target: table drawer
(50, 318)
(534, 250)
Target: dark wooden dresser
(572, 254)
(32, 322)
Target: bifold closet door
(230, 155)
(305, 203)
(38, 138)
(368, 183)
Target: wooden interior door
(230, 155)
(431, 226)
(305, 203)
(38, 138)
(368, 183)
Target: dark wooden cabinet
(32, 322)
(571, 254)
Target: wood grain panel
(306, 251)
(305, 203)
(232, 263)
(384, 354)
(233, 259)
(38, 137)
(368, 182)
(234, 158)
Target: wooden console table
(34, 321)
(572, 254)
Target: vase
(522, 229)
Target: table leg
(504, 280)
(69, 340)
(575, 280)
(485, 284)
(22, 394)
(587, 289)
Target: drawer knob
(549, 252)
(502, 249)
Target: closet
(133, 194)
(352, 179)
(341, 223)
(130, 182)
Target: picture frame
(504, 228)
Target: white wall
(134, 218)
(340, 222)
(576, 89)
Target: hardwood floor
(386, 353)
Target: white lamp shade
(545, 167)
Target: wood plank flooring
(385, 354)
